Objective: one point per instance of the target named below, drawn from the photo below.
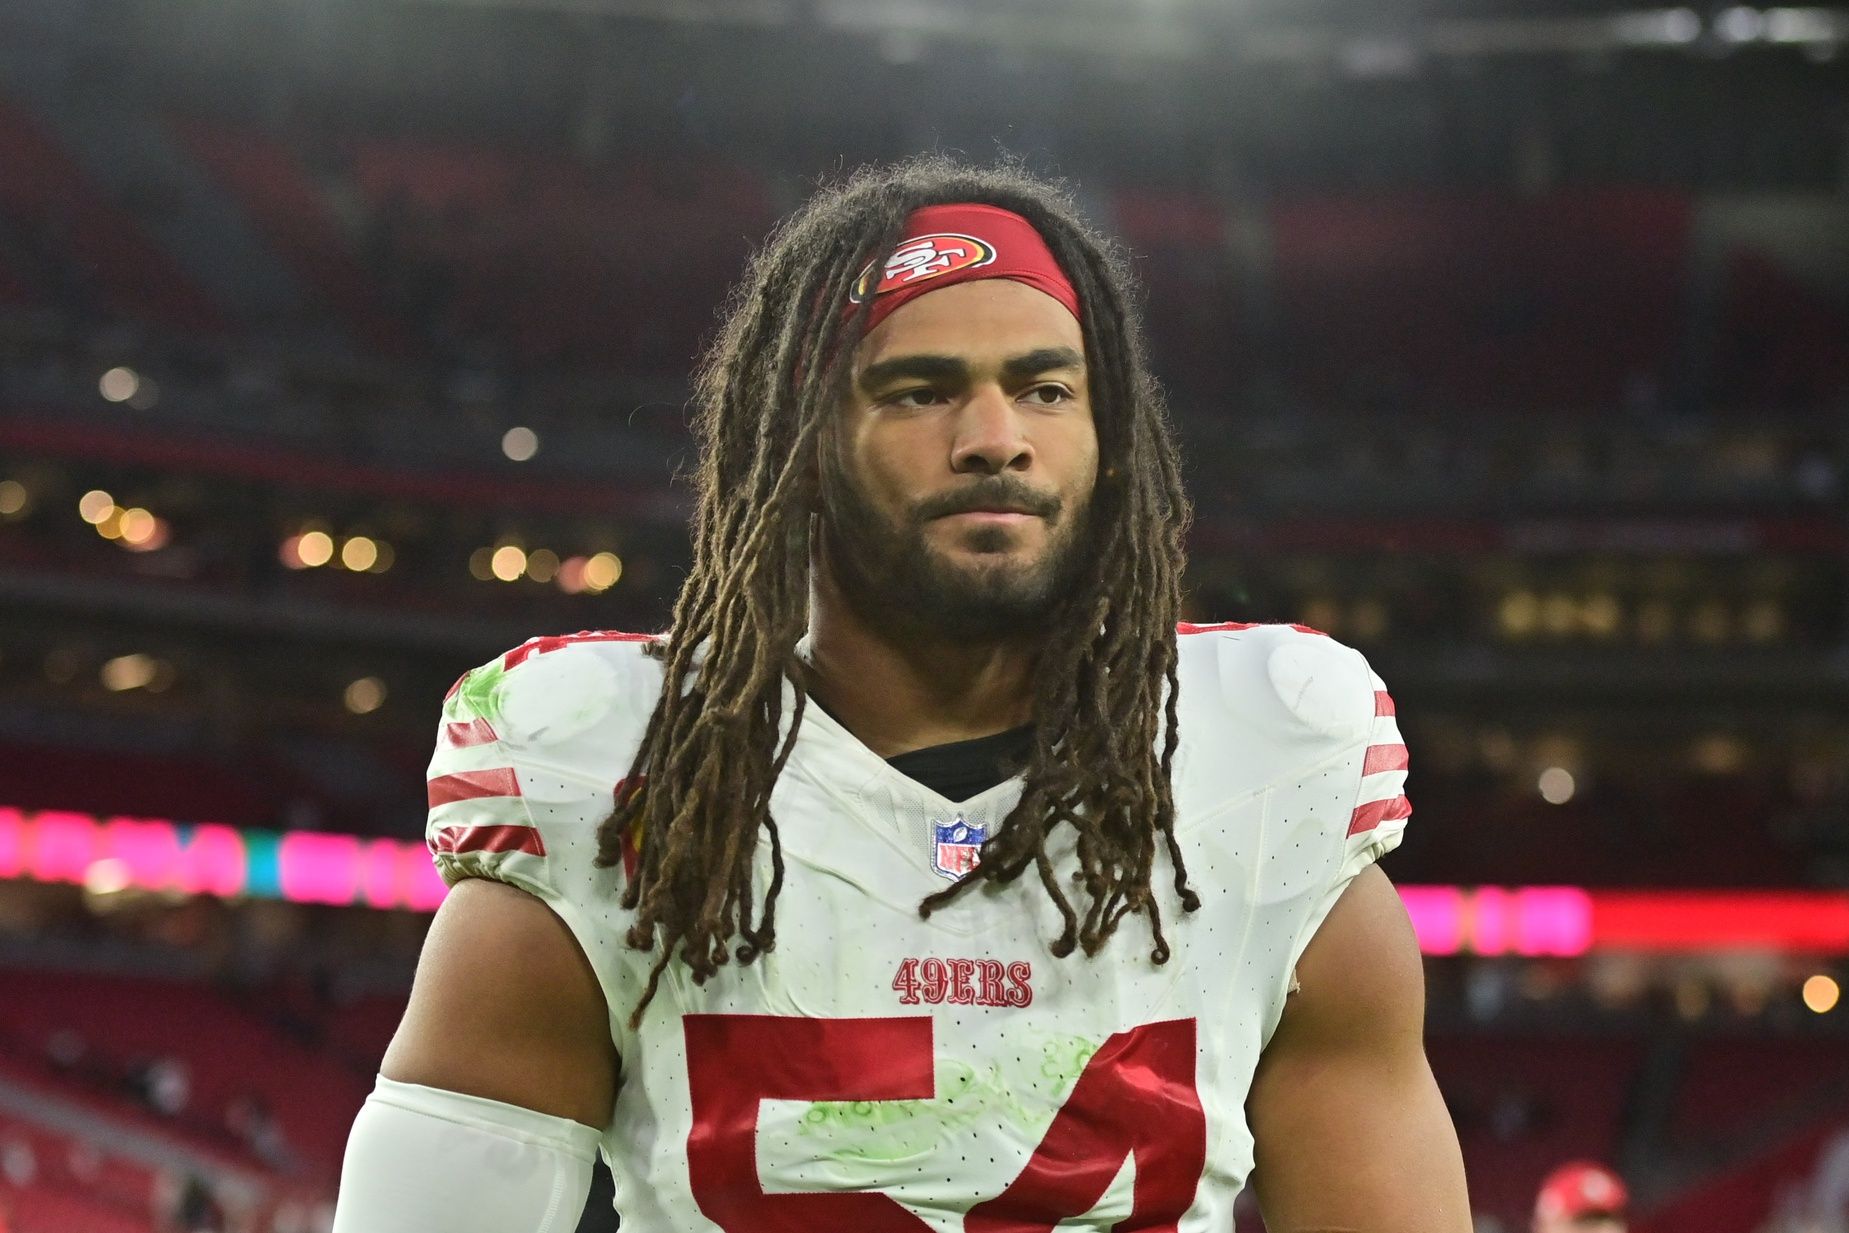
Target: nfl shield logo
(958, 846)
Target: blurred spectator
(249, 1118)
(19, 1164)
(165, 1085)
(66, 1049)
(196, 1209)
(1581, 1197)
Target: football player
(926, 873)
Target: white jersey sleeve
(1294, 783)
(1330, 688)
(530, 754)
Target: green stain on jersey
(1023, 1090)
(1064, 1059)
(478, 695)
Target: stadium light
(508, 562)
(95, 505)
(119, 384)
(520, 444)
(359, 554)
(126, 672)
(14, 499)
(1556, 785)
(364, 696)
(315, 548)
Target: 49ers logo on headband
(919, 258)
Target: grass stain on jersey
(1023, 1094)
(1065, 1059)
(478, 694)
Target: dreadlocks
(1104, 686)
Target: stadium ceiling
(1372, 39)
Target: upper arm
(506, 1007)
(1351, 1131)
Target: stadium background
(343, 346)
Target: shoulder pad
(1322, 688)
(551, 698)
(1322, 684)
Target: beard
(890, 573)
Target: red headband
(949, 244)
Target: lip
(992, 517)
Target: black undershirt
(961, 769)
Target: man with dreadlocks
(780, 907)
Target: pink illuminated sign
(315, 867)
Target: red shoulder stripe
(1384, 758)
(489, 839)
(1383, 703)
(1372, 814)
(473, 785)
(539, 646)
(467, 735)
(1188, 627)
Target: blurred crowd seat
(1669, 832)
(530, 259)
(1732, 1084)
(273, 186)
(164, 785)
(101, 1035)
(97, 260)
(56, 1182)
(1485, 300)
(1523, 1104)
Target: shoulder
(1289, 679)
(530, 750)
(548, 689)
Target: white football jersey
(878, 1072)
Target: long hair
(1104, 684)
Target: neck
(898, 687)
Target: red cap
(949, 244)
(1579, 1189)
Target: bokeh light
(364, 696)
(1556, 785)
(119, 384)
(95, 505)
(508, 562)
(542, 564)
(359, 553)
(316, 548)
(602, 571)
(126, 672)
(520, 444)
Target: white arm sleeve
(422, 1159)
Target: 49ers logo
(925, 256)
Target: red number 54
(1136, 1097)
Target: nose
(991, 434)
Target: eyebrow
(952, 369)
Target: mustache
(999, 493)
